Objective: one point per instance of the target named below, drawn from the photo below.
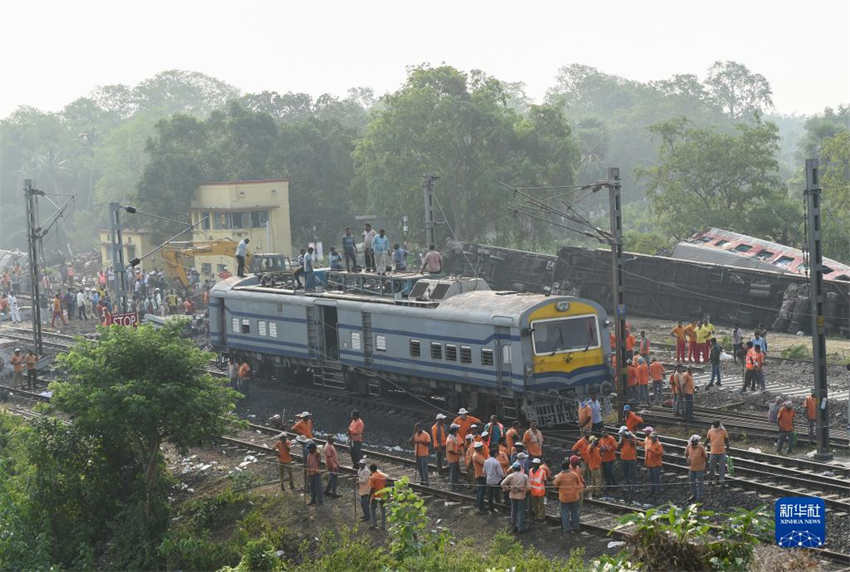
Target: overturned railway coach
(522, 354)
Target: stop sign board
(126, 319)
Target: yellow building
(137, 243)
(258, 210)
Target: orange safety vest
(536, 480)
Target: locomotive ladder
(329, 374)
(374, 383)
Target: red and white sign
(127, 319)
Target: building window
(451, 352)
(465, 354)
(222, 221)
(206, 268)
(238, 220)
(381, 343)
(261, 327)
(206, 219)
(506, 355)
(486, 357)
(355, 341)
(436, 351)
(234, 325)
(272, 329)
(415, 348)
(246, 326)
(259, 219)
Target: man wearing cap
(628, 460)
(785, 422)
(314, 475)
(17, 362)
(516, 484)
(493, 475)
(355, 437)
(438, 439)
(422, 442)
(464, 421)
(696, 457)
(284, 460)
(363, 490)
(303, 428)
(570, 486)
(453, 450)
(537, 485)
(653, 460)
(478, 460)
(533, 440)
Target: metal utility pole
(117, 254)
(33, 240)
(616, 215)
(816, 296)
(429, 209)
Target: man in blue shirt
(349, 250)
(335, 259)
(399, 258)
(760, 342)
(308, 270)
(381, 248)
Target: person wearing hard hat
(478, 460)
(696, 457)
(537, 484)
(438, 439)
(653, 461)
(284, 461)
(453, 452)
(628, 460)
(516, 484)
(570, 486)
(464, 421)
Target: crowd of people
(507, 467)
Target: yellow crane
(177, 258)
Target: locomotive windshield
(565, 334)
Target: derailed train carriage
(519, 354)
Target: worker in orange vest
(608, 454)
(696, 457)
(478, 460)
(785, 421)
(691, 337)
(811, 415)
(643, 380)
(355, 437)
(243, 375)
(628, 460)
(453, 452)
(464, 421)
(284, 460)
(438, 439)
(314, 475)
(377, 484)
(643, 346)
(688, 393)
(511, 435)
(630, 345)
(594, 466)
(533, 440)
(653, 460)
(633, 420)
(570, 486)
(656, 374)
(678, 332)
(422, 443)
(585, 415)
(537, 483)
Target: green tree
(709, 178)
(835, 181)
(739, 92)
(138, 388)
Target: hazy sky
(56, 51)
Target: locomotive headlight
(562, 306)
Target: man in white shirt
(241, 251)
(368, 253)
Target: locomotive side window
(246, 326)
(415, 348)
(381, 343)
(465, 354)
(506, 355)
(273, 329)
(436, 351)
(355, 341)
(451, 352)
(486, 357)
(261, 327)
(565, 335)
(234, 325)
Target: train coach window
(436, 350)
(355, 341)
(451, 352)
(743, 248)
(246, 326)
(272, 329)
(465, 354)
(234, 325)
(261, 327)
(381, 343)
(565, 334)
(506, 354)
(486, 357)
(415, 348)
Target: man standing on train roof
(533, 440)
(349, 250)
(368, 253)
(399, 258)
(309, 278)
(355, 437)
(241, 252)
(432, 262)
(464, 421)
(438, 439)
(335, 259)
(381, 248)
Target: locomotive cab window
(415, 348)
(436, 351)
(486, 357)
(465, 354)
(451, 352)
(565, 335)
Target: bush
(797, 351)
(182, 551)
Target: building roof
(244, 182)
